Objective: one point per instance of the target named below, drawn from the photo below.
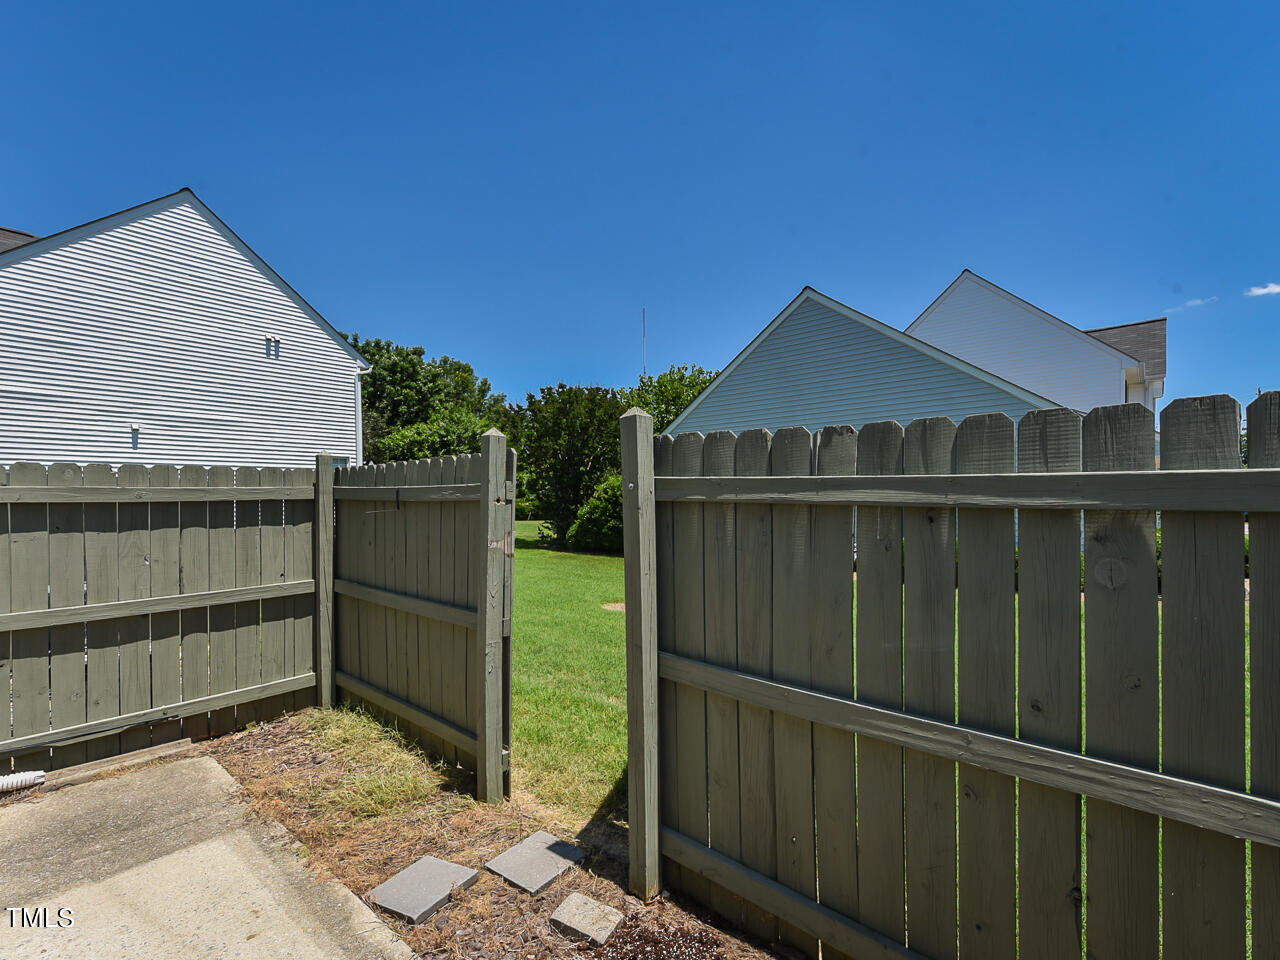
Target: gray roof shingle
(14, 238)
(1143, 341)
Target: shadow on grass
(605, 836)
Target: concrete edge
(84, 772)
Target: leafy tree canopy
(666, 395)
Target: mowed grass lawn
(569, 680)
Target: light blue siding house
(821, 363)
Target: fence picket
(792, 455)
(441, 533)
(164, 560)
(193, 523)
(274, 609)
(754, 549)
(720, 616)
(66, 589)
(1204, 684)
(1049, 694)
(248, 574)
(102, 659)
(134, 544)
(465, 523)
(222, 617)
(1264, 663)
(831, 599)
(416, 578)
(986, 643)
(928, 688)
(668, 770)
(300, 564)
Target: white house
(156, 335)
(987, 325)
(976, 349)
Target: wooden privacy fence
(961, 750)
(423, 585)
(141, 605)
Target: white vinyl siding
(1018, 343)
(160, 320)
(819, 368)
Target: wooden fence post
(642, 650)
(324, 579)
(490, 569)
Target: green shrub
(598, 528)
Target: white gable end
(159, 319)
(980, 323)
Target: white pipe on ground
(20, 781)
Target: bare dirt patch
(365, 805)
(619, 607)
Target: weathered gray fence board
(928, 689)
(102, 658)
(222, 617)
(985, 677)
(302, 633)
(166, 630)
(668, 770)
(1264, 632)
(441, 542)
(881, 862)
(1122, 691)
(6, 649)
(66, 588)
(134, 543)
(465, 528)
(193, 527)
(248, 574)
(29, 557)
(754, 564)
(1049, 693)
(1204, 683)
(272, 617)
(720, 617)
(490, 534)
(791, 455)
(416, 576)
(831, 598)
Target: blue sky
(512, 184)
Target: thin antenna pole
(644, 343)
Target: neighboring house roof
(1049, 318)
(811, 296)
(34, 246)
(1144, 340)
(10, 238)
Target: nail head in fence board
(134, 542)
(928, 688)
(879, 670)
(1204, 684)
(193, 548)
(831, 600)
(668, 771)
(489, 541)
(166, 629)
(272, 631)
(985, 620)
(102, 660)
(1049, 693)
(755, 654)
(792, 454)
(66, 588)
(690, 641)
(639, 573)
(1121, 686)
(222, 617)
(721, 618)
(1264, 627)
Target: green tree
(405, 389)
(665, 396)
(568, 443)
(598, 527)
(450, 431)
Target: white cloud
(1198, 302)
(1263, 291)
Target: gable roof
(1044, 315)
(1144, 340)
(36, 246)
(854, 316)
(10, 238)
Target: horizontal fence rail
(411, 493)
(122, 494)
(893, 748)
(1223, 491)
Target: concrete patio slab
(581, 918)
(535, 861)
(422, 888)
(166, 862)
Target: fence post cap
(637, 412)
(493, 432)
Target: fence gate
(961, 749)
(142, 605)
(422, 583)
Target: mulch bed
(288, 773)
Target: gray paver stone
(535, 861)
(582, 918)
(422, 888)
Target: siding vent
(273, 347)
(134, 430)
